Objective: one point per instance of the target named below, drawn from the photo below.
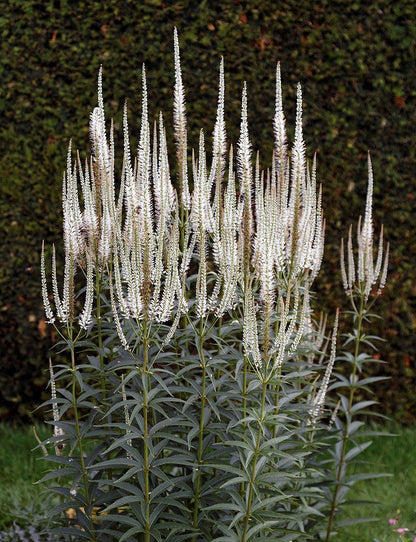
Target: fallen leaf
(42, 327)
(400, 101)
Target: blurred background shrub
(355, 61)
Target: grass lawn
(397, 494)
(20, 468)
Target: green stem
(255, 460)
(146, 468)
(218, 377)
(247, 291)
(79, 441)
(345, 437)
(276, 391)
(244, 410)
(245, 371)
(201, 429)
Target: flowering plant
(401, 534)
(194, 405)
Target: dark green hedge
(356, 63)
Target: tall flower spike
(119, 327)
(368, 272)
(227, 249)
(250, 331)
(319, 400)
(89, 215)
(280, 340)
(172, 281)
(244, 170)
(279, 126)
(57, 431)
(302, 323)
(46, 304)
(316, 337)
(351, 262)
(162, 186)
(103, 156)
(297, 188)
(117, 280)
(73, 224)
(68, 295)
(55, 290)
(298, 159)
(143, 209)
(179, 117)
(348, 269)
(129, 183)
(343, 268)
(144, 142)
(201, 211)
(127, 154)
(201, 283)
(220, 135)
(179, 112)
(100, 88)
(200, 203)
(311, 227)
(85, 317)
(365, 237)
(384, 271)
(134, 274)
(218, 164)
(379, 261)
(164, 198)
(244, 150)
(319, 238)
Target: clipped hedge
(355, 61)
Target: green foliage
(396, 494)
(187, 445)
(351, 417)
